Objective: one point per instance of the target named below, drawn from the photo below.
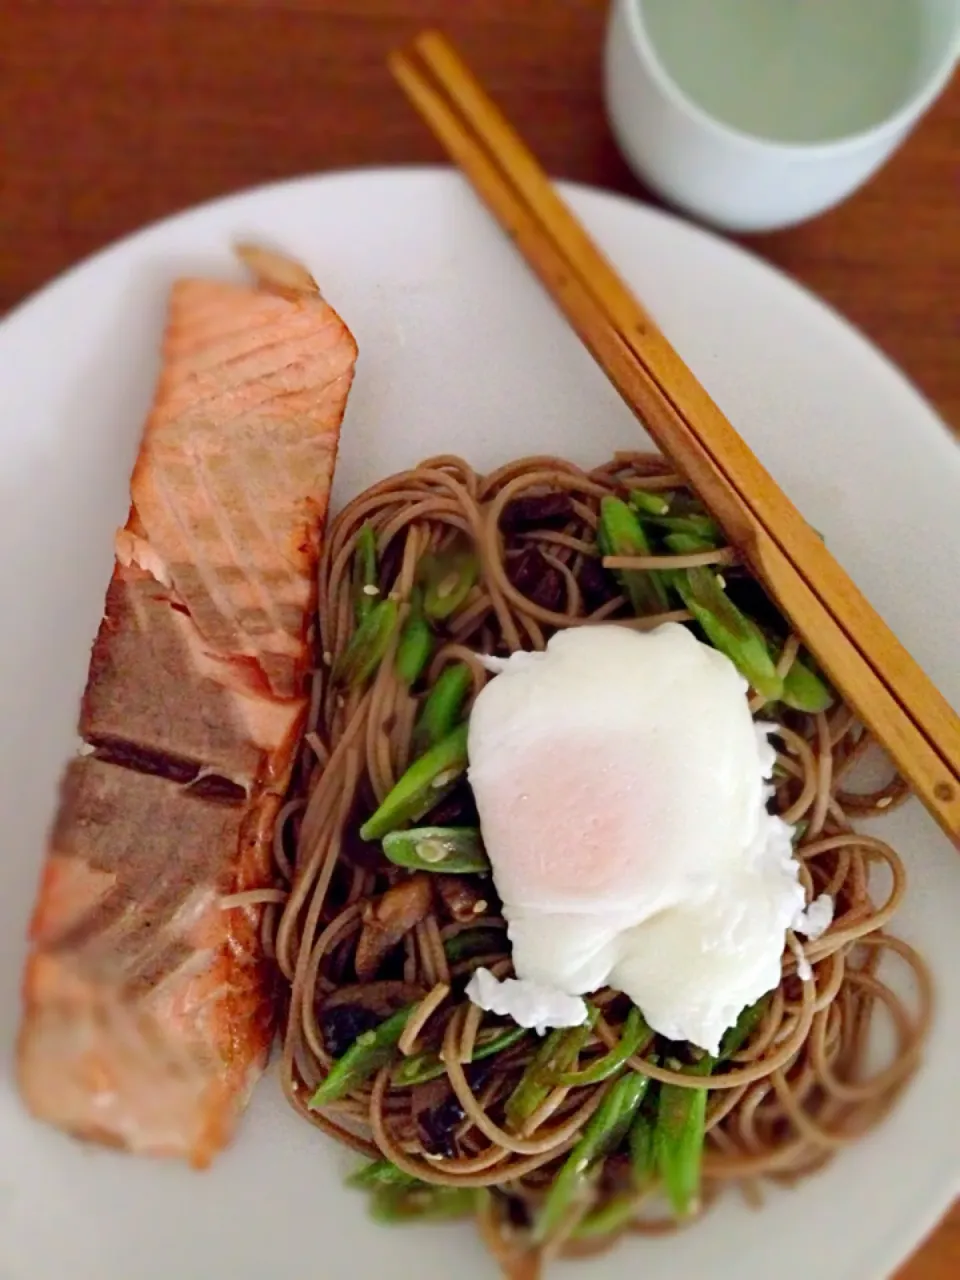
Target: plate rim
(894, 1247)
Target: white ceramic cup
(734, 176)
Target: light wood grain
(117, 112)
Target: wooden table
(116, 112)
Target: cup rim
(901, 118)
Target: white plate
(460, 351)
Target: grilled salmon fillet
(147, 1004)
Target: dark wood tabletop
(116, 112)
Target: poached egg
(621, 784)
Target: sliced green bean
(679, 1136)
(423, 785)
(368, 645)
(381, 1173)
(694, 524)
(421, 1067)
(399, 1197)
(443, 707)
(559, 1052)
(447, 579)
(604, 1131)
(616, 1214)
(643, 1159)
(727, 629)
(368, 1053)
(530, 1091)
(621, 534)
(687, 544)
(636, 1034)
(457, 850)
(622, 1209)
(424, 1203)
(803, 690)
(365, 572)
(416, 642)
(680, 1128)
(650, 504)
(744, 1027)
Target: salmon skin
(147, 1005)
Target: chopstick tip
(403, 70)
(431, 38)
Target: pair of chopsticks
(860, 654)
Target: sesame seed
(431, 850)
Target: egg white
(622, 784)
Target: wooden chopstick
(613, 325)
(802, 545)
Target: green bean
(678, 1138)
(474, 942)
(604, 1131)
(693, 524)
(616, 1214)
(642, 1151)
(424, 1203)
(443, 707)
(416, 642)
(803, 690)
(727, 629)
(799, 831)
(368, 1053)
(622, 1209)
(457, 850)
(422, 1067)
(422, 787)
(365, 572)
(530, 1092)
(621, 534)
(399, 1197)
(368, 645)
(381, 1173)
(636, 1034)
(650, 504)
(680, 1127)
(725, 626)
(559, 1052)
(744, 1027)
(447, 579)
(688, 544)
(688, 534)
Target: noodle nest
(803, 1085)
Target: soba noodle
(795, 1093)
